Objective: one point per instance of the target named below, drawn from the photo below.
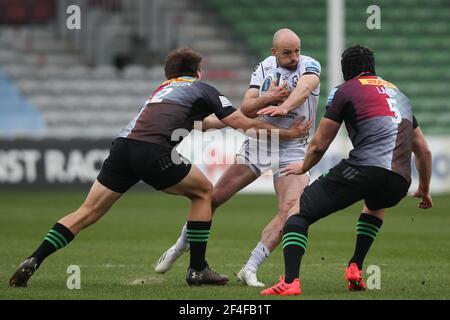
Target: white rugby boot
(168, 258)
(248, 277)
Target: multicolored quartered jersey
(379, 121)
(176, 104)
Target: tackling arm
(322, 139)
(212, 122)
(237, 120)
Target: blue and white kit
(261, 156)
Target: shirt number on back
(397, 118)
(159, 96)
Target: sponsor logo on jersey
(294, 81)
(225, 102)
(312, 66)
(376, 82)
(179, 82)
(265, 85)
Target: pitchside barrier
(27, 164)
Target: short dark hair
(356, 60)
(182, 62)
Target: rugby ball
(275, 76)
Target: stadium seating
(17, 116)
(411, 51)
(74, 100)
(70, 78)
(255, 21)
(411, 48)
(26, 11)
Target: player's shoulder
(306, 59)
(309, 64)
(213, 93)
(205, 86)
(268, 63)
(336, 91)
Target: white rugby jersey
(306, 65)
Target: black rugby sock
(198, 234)
(57, 238)
(295, 241)
(367, 230)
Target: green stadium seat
(411, 48)
(412, 51)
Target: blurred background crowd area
(88, 83)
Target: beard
(290, 67)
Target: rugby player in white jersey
(281, 106)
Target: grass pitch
(116, 255)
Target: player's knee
(219, 196)
(208, 189)
(285, 207)
(307, 207)
(215, 202)
(203, 191)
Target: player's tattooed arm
(423, 164)
(252, 102)
(305, 85)
(322, 139)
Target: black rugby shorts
(346, 184)
(130, 161)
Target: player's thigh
(160, 166)
(334, 191)
(235, 178)
(116, 173)
(100, 198)
(288, 190)
(390, 194)
(194, 184)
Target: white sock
(182, 242)
(259, 255)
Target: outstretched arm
(212, 122)
(322, 139)
(237, 120)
